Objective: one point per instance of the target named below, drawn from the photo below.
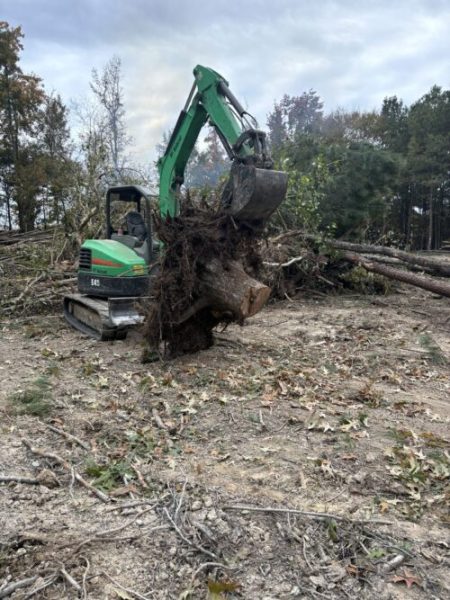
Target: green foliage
(110, 475)
(385, 175)
(367, 283)
(34, 137)
(142, 443)
(301, 209)
(35, 399)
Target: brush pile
(207, 275)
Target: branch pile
(33, 277)
(304, 261)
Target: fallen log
(430, 264)
(432, 285)
(8, 238)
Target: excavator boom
(254, 189)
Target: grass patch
(35, 400)
(435, 354)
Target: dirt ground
(329, 413)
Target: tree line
(48, 175)
(379, 176)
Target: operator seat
(137, 237)
(136, 226)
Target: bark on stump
(228, 288)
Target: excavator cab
(114, 272)
(137, 232)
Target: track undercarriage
(104, 319)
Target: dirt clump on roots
(179, 319)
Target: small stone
(196, 505)
(201, 514)
(371, 457)
(212, 515)
(21, 552)
(47, 478)
(318, 581)
(222, 527)
(208, 502)
(336, 573)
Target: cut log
(228, 288)
(432, 285)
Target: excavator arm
(254, 189)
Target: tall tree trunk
(430, 223)
(8, 211)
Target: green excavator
(115, 272)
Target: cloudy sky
(352, 52)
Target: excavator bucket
(253, 194)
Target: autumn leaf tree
(21, 100)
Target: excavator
(116, 271)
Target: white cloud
(352, 53)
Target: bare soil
(334, 405)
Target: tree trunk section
(228, 288)
(432, 285)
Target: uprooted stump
(207, 275)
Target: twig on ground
(48, 582)
(180, 501)
(70, 580)
(69, 436)
(135, 504)
(392, 564)
(261, 421)
(16, 585)
(210, 564)
(69, 468)
(288, 263)
(140, 477)
(159, 422)
(18, 479)
(28, 287)
(185, 539)
(313, 515)
(104, 534)
(85, 574)
(124, 589)
(335, 496)
(304, 554)
(205, 530)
